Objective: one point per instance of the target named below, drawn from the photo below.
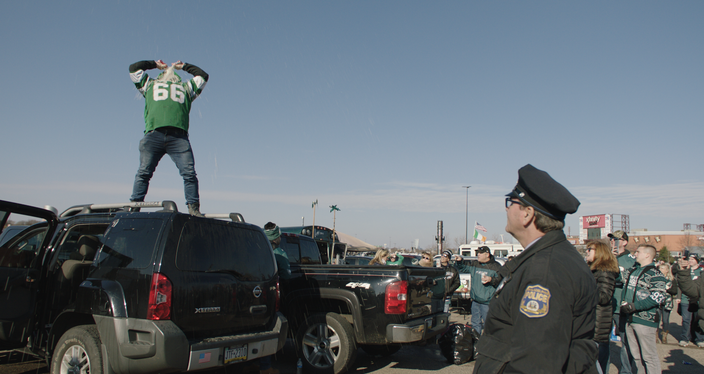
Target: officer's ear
(528, 215)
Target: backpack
(457, 343)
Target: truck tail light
(159, 307)
(396, 297)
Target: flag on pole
(478, 226)
(479, 236)
(333, 208)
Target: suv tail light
(159, 298)
(396, 297)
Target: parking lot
(411, 359)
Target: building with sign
(599, 226)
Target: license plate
(235, 354)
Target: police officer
(541, 319)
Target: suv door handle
(257, 309)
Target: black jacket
(605, 281)
(541, 319)
(694, 289)
(452, 279)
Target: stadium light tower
(466, 212)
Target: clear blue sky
(385, 109)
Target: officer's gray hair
(545, 223)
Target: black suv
(104, 290)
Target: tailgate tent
(354, 244)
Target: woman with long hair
(380, 257)
(604, 266)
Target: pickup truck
(334, 309)
(100, 289)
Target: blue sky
(385, 109)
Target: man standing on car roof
(541, 319)
(166, 114)
(485, 277)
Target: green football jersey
(167, 103)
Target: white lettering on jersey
(176, 92)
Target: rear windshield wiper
(225, 271)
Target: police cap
(537, 189)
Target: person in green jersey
(644, 290)
(273, 233)
(166, 115)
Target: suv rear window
(130, 243)
(225, 247)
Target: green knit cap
(272, 234)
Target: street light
(466, 213)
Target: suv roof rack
(235, 217)
(168, 205)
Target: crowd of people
(552, 301)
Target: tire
(78, 352)
(326, 344)
(380, 350)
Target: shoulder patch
(535, 302)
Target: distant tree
(29, 222)
(458, 242)
(664, 255)
(688, 240)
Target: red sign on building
(593, 222)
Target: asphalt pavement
(411, 359)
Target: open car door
(21, 270)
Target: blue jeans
(479, 312)
(153, 146)
(689, 324)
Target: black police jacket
(541, 319)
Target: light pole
(466, 213)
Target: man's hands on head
(178, 65)
(161, 65)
